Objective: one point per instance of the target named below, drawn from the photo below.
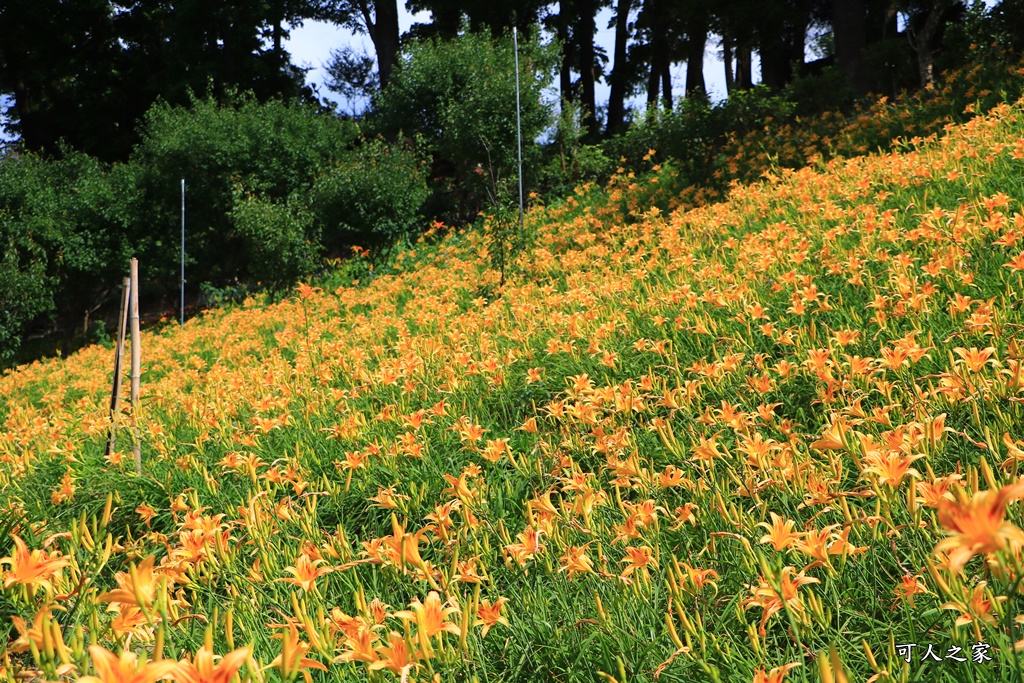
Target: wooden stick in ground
(115, 392)
(133, 304)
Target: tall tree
(662, 35)
(781, 30)
(445, 19)
(732, 22)
(620, 75)
(85, 72)
(848, 30)
(575, 29)
(584, 34)
(924, 26)
(697, 23)
(563, 21)
(55, 60)
(376, 18)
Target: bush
(272, 149)
(571, 163)
(459, 95)
(64, 229)
(281, 242)
(370, 197)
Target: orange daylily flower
(529, 545)
(431, 617)
(638, 558)
(202, 669)
(977, 525)
(293, 658)
(397, 656)
(697, 579)
(975, 359)
(831, 439)
(892, 468)
(127, 668)
(908, 587)
(488, 614)
(31, 568)
(780, 532)
(137, 587)
(776, 675)
(306, 572)
(979, 607)
(765, 597)
(575, 561)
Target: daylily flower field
(774, 438)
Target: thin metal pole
(115, 392)
(133, 306)
(182, 251)
(519, 130)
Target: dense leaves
(459, 96)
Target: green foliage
(272, 149)
(570, 162)
(370, 196)
(281, 241)
(460, 96)
(829, 90)
(63, 231)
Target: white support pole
(182, 251)
(519, 130)
(133, 305)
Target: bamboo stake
(133, 299)
(115, 391)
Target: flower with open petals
(31, 568)
(293, 658)
(202, 668)
(776, 675)
(430, 616)
(977, 525)
(306, 572)
(488, 614)
(136, 587)
(771, 601)
(127, 668)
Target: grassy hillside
(774, 437)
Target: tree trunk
(696, 42)
(565, 72)
(385, 38)
(730, 81)
(744, 68)
(659, 77)
(653, 83)
(666, 83)
(848, 29)
(617, 96)
(584, 35)
(922, 41)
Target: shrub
(459, 95)
(64, 236)
(369, 197)
(272, 149)
(282, 244)
(571, 163)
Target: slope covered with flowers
(774, 437)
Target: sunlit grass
(774, 437)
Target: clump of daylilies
(772, 438)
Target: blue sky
(310, 46)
